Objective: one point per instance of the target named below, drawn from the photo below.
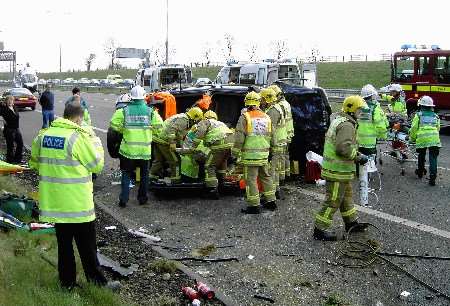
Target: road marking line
(94, 127)
(385, 216)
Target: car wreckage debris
(115, 266)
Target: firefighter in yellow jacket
(254, 142)
(338, 168)
(66, 155)
(277, 117)
(172, 133)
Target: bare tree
(252, 49)
(207, 52)
(229, 45)
(110, 47)
(280, 48)
(89, 60)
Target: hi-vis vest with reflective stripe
(168, 132)
(65, 154)
(257, 141)
(280, 128)
(366, 131)
(137, 133)
(288, 116)
(216, 135)
(335, 167)
(428, 129)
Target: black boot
(356, 227)
(432, 181)
(272, 205)
(122, 204)
(324, 235)
(213, 193)
(143, 201)
(251, 210)
(279, 194)
(420, 172)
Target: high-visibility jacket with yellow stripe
(397, 106)
(288, 117)
(254, 139)
(372, 125)
(214, 134)
(65, 156)
(336, 167)
(134, 122)
(174, 129)
(276, 114)
(425, 129)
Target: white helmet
(395, 87)
(369, 91)
(137, 93)
(426, 101)
(124, 98)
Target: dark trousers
(14, 145)
(433, 153)
(128, 166)
(84, 235)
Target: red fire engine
(424, 72)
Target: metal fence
(346, 58)
(340, 93)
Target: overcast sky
(35, 29)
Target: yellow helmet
(210, 115)
(252, 99)
(277, 89)
(268, 95)
(352, 103)
(195, 114)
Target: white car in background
(95, 82)
(42, 82)
(68, 81)
(84, 81)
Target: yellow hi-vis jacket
(65, 156)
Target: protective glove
(362, 159)
(173, 146)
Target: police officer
(65, 155)
(338, 168)
(285, 167)
(425, 133)
(254, 142)
(277, 117)
(134, 123)
(218, 139)
(396, 99)
(172, 134)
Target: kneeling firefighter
(172, 134)
(217, 138)
(338, 168)
(254, 142)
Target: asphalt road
(195, 222)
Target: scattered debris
(264, 298)
(190, 293)
(196, 302)
(112, 227)
(166, 276)
(207, 259)
(250, 257)
(144, 235)
(205, 291)
(204, 251)
(115, 266)
(163, 266)
(405, 294)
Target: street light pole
(167, 32)
(60, 68)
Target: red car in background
(22, 97)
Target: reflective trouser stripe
(57, 214)
(210, 176)
(138, 143)
(323, 220)
(61, 180)
(348, 213)
(335, 191)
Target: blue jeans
(47, 118)
(143, 185)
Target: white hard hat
(426, 101)
(137, 93)
(124, 98)
(395, 87)
(369, 91)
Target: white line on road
(385, 216)
(94, 127)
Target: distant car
(104, 82)
(68, 81)
(54, 81)
(95, 82)
(128, 82)
(84, 81)
(202, 82)
(22, 97)
(42, 82)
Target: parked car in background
(22, 97)
(68, 81)
(202, 82)
(128, 83)
(114, 79)
(95, 82)
(104, 82)
(84, 81)
(42, 82)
